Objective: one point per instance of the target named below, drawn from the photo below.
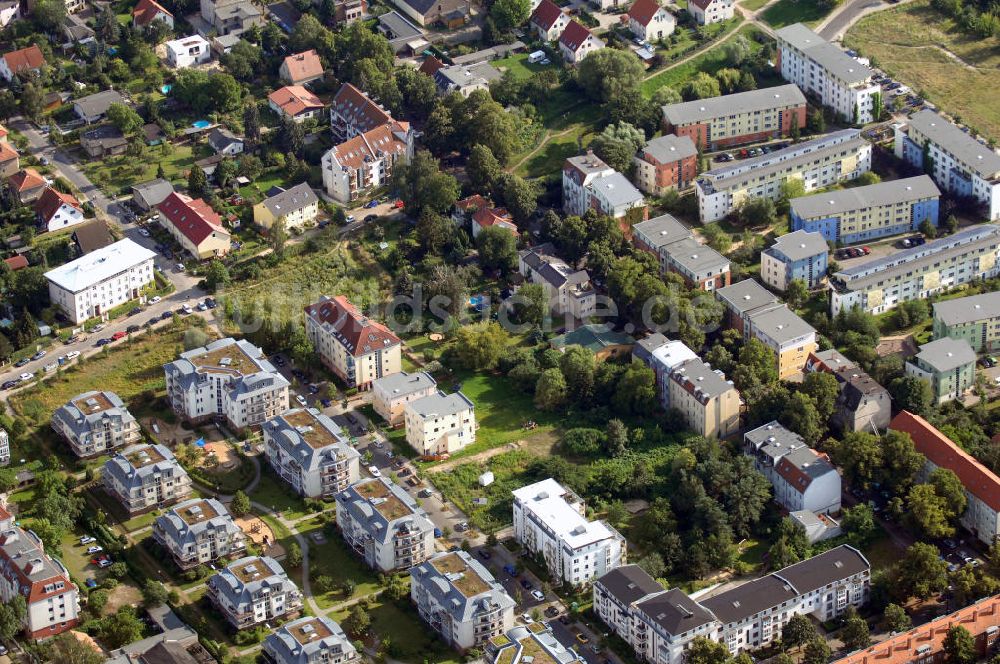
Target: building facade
(310, 640)
(145, 477)
(947, 365)
(788, 337)
(569, 291)
(309, 451)
(665, 163)
(198, 532)
(798, 255)
(577, 42)
(254, 590)
(95, 423)
(975, 318)
(188, 52)
(649, 21)
(709, 403)
(195, 226)
(590, 184)
(707, 12)
(391, 393)
(296, 207)
(440, 423)
(802, 478)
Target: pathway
(548, 136)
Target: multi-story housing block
(913, 274)
(53, 600)
(975, 318)
(353, 113)
(960, 164)
(569, 291)
(309, 451)
(391, 393)
(837, 157)
(577, 175)
(678, 251)
(663, 358)
(199, 531)
(549, 519)
(461, 600)
(982, 486)
(786, 334)
(4, 447)
(802, 478)
(709, 403)
(229, 380)
(838, 81)
(616, 592)
(947, 365)
(254, 590)
(530, 644)
(356, 348)
(744, 299)
(862, 404)
(310, 640)
(799, 255)
(384, 525)
(95, 423)
(861, 214)
(590, 184)
(665, 163)
(145, 477)
(744, 117)
(440, 423)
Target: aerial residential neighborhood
(507, 332)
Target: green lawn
(550, 158)
(709, 62)
(274, 493)
(787, 12)
(461, 486)
(333, 558)
(520, 67)
(753, 5)
(410, 639)
(121, 172)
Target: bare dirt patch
(261, 535)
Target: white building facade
(440, 423)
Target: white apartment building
(254, 590)
(309, 451)
(384, 525)
(145, 477)
(820, 68)
(391, 393)
(310, 640)
(709, 403)
(880, 284)
(661, 624)
(959, 163)
(837, 157)
(356, 348)
(199, 531)
(229, 380)
(802, 478)
(461, 600)
(94, 423)
(549, 519)
(188, 51)
(568, 291)
(99, 281)
(52, 599)
(440, 423)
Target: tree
(421, 184)
(796, 293)
(197, 181)
(123, 117)
(920, 573)
(49, 14)
(120, 628)
(802, 417)
(243, 60)
(226, 172)
(308, 34)
(756, 365)
(617, 145)
(855, 634)
(823, 389)
(497, 249)
(482, 120)
(636, 390)
(791, 546)
(798, 631)
(703, 650)
(154, 593)
(578, 366)
(67, 649)
(482, 168)
(508, 14)
(278, 236)
(959, 646)
(652, 564)
(240, 505)
(702, 86)
(949, 487)
(912, 394)
(737, 50)
(895, 619)
(519, 195)
(859, 521)
(756, 212)
(928, 229)
(293, 555)
(550, 391)
(902, 461)
(609, 74)
(616, 438)
(816, 651)
(12, 615)
(31, 96)
(929, 512)
(479, 346)
(358, 622)
(106, 27)
(417, 91)
(729, 80)
(251, 122)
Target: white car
(26, 376)
(375, 472)
(155, 299)
(72, 354)
(538, 595)
(98, 327)
(143, 232)
(301, 399)
(105, 563)
(527, 619)
(94, 549)
(87, 539)
(350, 218)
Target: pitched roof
(220, 138)
(303, 66)
(93, 235)
(194, 218)
(546, 14)
(51, 200)
(291, 200)
(98, 103)
(670, 148)
(973, 154)
(358, 109)
(629, 583)
(146, 10)
(430, 65)
(574, 35)
(25, 59)
(7, 151)
(358, 333)
(99, 265)
(643, 11)
(294, 99)
(487, 217)
(941, 451)
(765, 99)
(701, 4)
(675, 612)
(373, 144)
(25, 180)
(16, 263)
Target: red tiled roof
(359, 334)
(303, 66)
(574, 35)
(546, 14)
(25, 180)
(146, 10)
(194, 218)
(295, 99)
(487, 217)
(643, 11)
(7, 151)
(944, 453)
(24, 59)
(477, 201)
(51, 200)
(430, 65)
(358, 109)
(375, 143)
(793, 475)
(3, 132)
(15, 263)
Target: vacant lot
(924, 49)
(709, 62)
(786, 12)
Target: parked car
(371, 217)
(72, 354)
(20, 363)
(118, 335)
(526, 619)
(301, 400)
(166, 314)
(374, 471)
(104, 341)
(371, 204)
(202, 306)
(25, 377)
(94, 549)
(9, 384)
(143, 232)
(538, 595)
(186, 309)
(132, 329)
(39, 355)
(155, 299)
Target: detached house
(295, 102)
(225, 142)
(10, 161)
(93, 108)
(195, 225)
(310, 640)
(22, 62)
(393, 392)
(577, 42)
(706, 12)
(188, 52)
(297, 206)
(55, 210)
(147, 11)
(548, 20)
(26, 185)
(947, 365)
(568, 291)
(649, 21)
(301, 68)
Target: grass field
(752, 5)
(786, 12)
(118, 173)
(275, 494)
(709, 62)
(333, 558)
(913, 42)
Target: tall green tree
(960, 646)
(497, 249)
(608, 75)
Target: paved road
(837, 24)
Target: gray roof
(670, 148)
(153, 192)
(694, 256)
(240, 381)
(799, 245)
(629, 583)
(440, 404)
(699, 375)
(856, 385)
(243, 579)
(296, 441)
(968, 309)
(825, 54)
(617, 189)
(700, 110)
(291, 200)
(774, 440)
(399, 26)
(402, 383)
(644, 347)
(752, 597)
(588, 163)
(442, 585)
(23, 550)
(833, 565)
(553, 269)
(152, 460)
(107, 135)
(834, 359)
(745, 296)
(675, 612)
(458, 76)
(186, 522)
(92, 410)
(220, 138)
(163, 648)
(808, 463)
(946, 354)
(309, 639)
(858, 198)
(780, 324)
(975, 156)
(379, 527)
(661, 231)
(97, 104)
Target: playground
(261, 535)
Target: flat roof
(99, 265)
(694, 256)
(781, 324)
(193, 513)
(387, 504)
(251, 570)
(746, 295)
(144, 456)
(307, 631)
(860, 198)
(96, 402)
(968, 309)
(460, 574)
(946, 354)
(690, 112)
(226, 359)
(974, 155)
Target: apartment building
(199, 531)
(550, 519)
(707, 12)
(390, 394)
(837, 157)
(862, 404)
(96, 283)
(678, 251)
(188, 51)
(254, 590)
(880, 284)
(145, 477)
(296, 207)
(803, 479)
(588, 183)
(310, 640)
(4, 447)
(663, 623)
(716, 123)
(798, 255)
(52, 599)
(744, 299)
(384, 525)
(440, 423)
(530, 644)
(708, 402)
(665, 163)
(229, 380)
(195, 226)
(947, 365)
(309, 451)
(790, 338)
(838, 81)
(461, 600)
(975, 318)
(569, 291)
(649, 21)
(95, 423)
(982, 486)
(356, 348)
(862, 214)
(959, 164)
(353, 113)
(662, 356)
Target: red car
(118, 335)
(866, 250)
(399, 205)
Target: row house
(803, 479)
(709, 403)
(252, 591)
(197, 532)
(145, 477)
(975, 318)
(311, 453)
(94, 423)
